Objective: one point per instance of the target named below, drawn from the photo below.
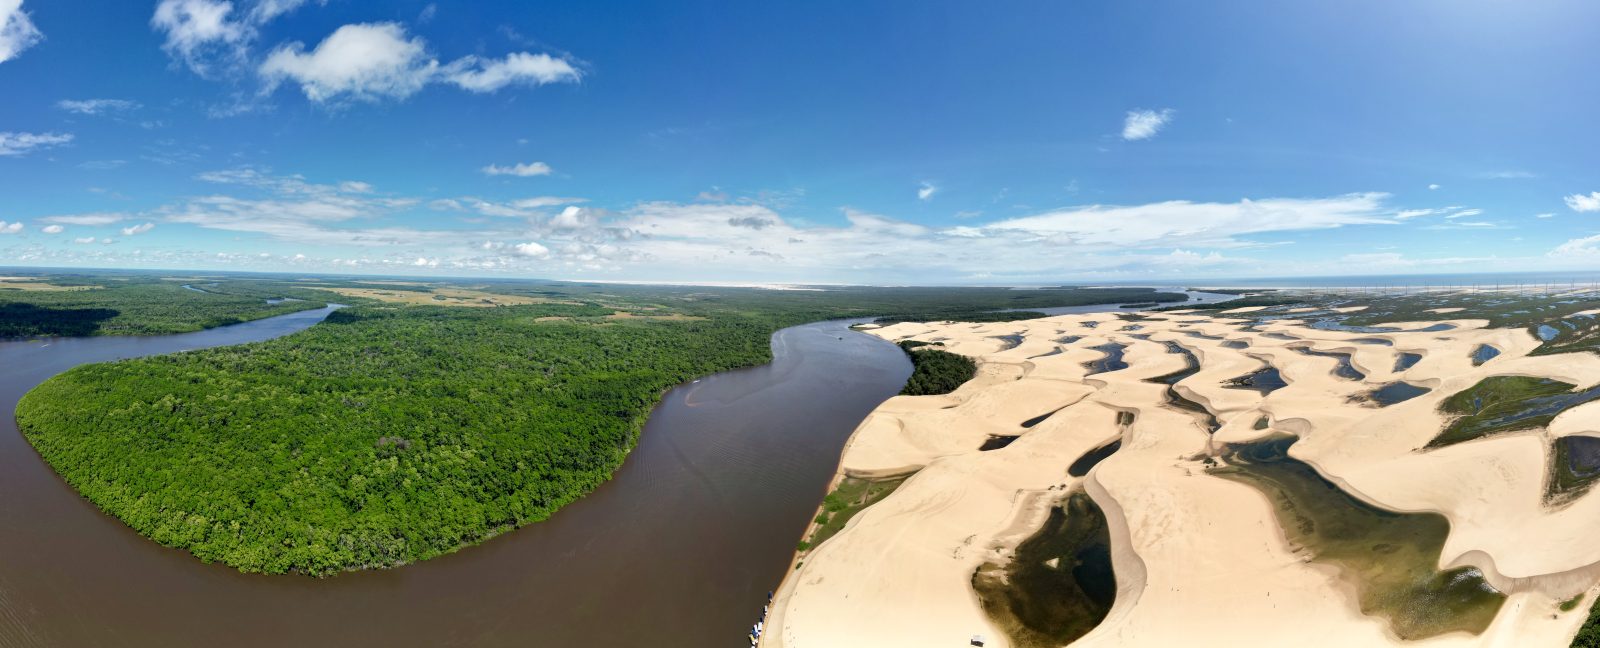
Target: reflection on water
(1407, 361)
(1112, 361)
(1266, 381)
(1395, 392)
(1390, 557)
(1576, 465)
(1483, 353)
(1059, 584)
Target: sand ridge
(1192, 550)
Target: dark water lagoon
(1389, 557)
(678, 549)
(1059, 584)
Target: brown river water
(678, 549)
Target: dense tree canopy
(934, 371)
(378, 438)
(146, 306)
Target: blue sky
(892, 142)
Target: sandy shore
(1199, 559)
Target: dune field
(1256, 483)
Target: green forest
(392, 433)
(145, 306)
(378, 438)
(934, 371)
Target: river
(678, 549)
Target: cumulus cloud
(1144, 124)
(10, 228)
(521, 170)
(1433, 187)
(83, 240)
(17, 32)
(53, 229)
(374, 61)
(926, 190)
(1575, 202)
(199, 33)
(138, 229)
(532, 249)
(22, 143)
(95, 106)
(1587, 248)
(365, 62)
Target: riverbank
(899, 574)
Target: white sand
(1200, 560)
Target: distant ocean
(1465, 280)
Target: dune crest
(1199, 555)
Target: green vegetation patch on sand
(1391, 558)
(850, 497)
(934, 371)
(377, 438)
(1500, 404)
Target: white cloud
(476, 75)
(17, 32)
(1464, 213)
(1576, 202)
(138, 229)
(532, 249)
(10, 228)
(201, 32)
(374, 61)
(92, 219)
(1408, 214)
(95, 106)
(1144, 124)
(1587, 247)
(522, 170)
(1545, 215)
(1433, 187)
(926, 190)
(53, 229)
(1198, 224)
(83, 240)
(366, 62)
(23, 143)
(352, 186)
(425, 262)
(266, 10)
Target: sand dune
(1199, 559)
